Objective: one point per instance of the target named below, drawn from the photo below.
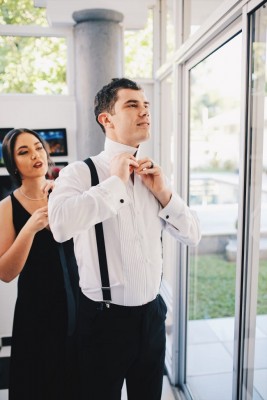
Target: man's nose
(144, 111)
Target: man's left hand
(153, 178)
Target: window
(256, 348)
(33, 65)
(196, 12)
(28, 63)
(138, 51)
(213, 192)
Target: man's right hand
(123, 165)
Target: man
(124, 337)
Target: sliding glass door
(214, 143)
(255, 348)
(226, 336)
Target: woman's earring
(16, 171)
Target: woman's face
(30, 156)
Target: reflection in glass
(259, 134)
(138, 50)
(196, 13)
(166, 161)
(170, 29)
(213, 192)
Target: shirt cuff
(116, 189)
(173, 210)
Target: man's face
(130, 119)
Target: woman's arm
(14, 250)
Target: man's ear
(104, 119)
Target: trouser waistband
(103, 305)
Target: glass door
(214, 143)
(255, 342)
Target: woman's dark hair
(8, 151)
(106, 98)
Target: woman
(38, 354)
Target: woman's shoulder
(4, 202)
(5, 207)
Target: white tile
(3, 394)
(167, 393)
(5, 351)
(208, 358)
(229, 346)
(223, 328)
(211, 387)
(260, 382)
(200, 332)
(261, 354)
(262, 323)
(124, 393)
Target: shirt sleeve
(74, 205)
(180, 221)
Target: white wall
(38, 112)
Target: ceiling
(59, 12)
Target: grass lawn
(212, 287)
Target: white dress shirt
(133, 220)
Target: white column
(98, 40)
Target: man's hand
(123, 165)
(153, 178)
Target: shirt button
(121, 201)
(167, 216)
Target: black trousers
(118, 343)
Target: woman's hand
(38, 220)
(47, 186)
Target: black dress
(39, 368)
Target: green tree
(138, 51)
(21, 12)
(30, 64)
(33, 65)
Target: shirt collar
(113, 148)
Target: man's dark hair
(106, 98)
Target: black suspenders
(100, 241)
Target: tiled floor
(210, 359)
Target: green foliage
(262, 296)
(21, 12)
(212, 287)
(138, 49)
(32, 65)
